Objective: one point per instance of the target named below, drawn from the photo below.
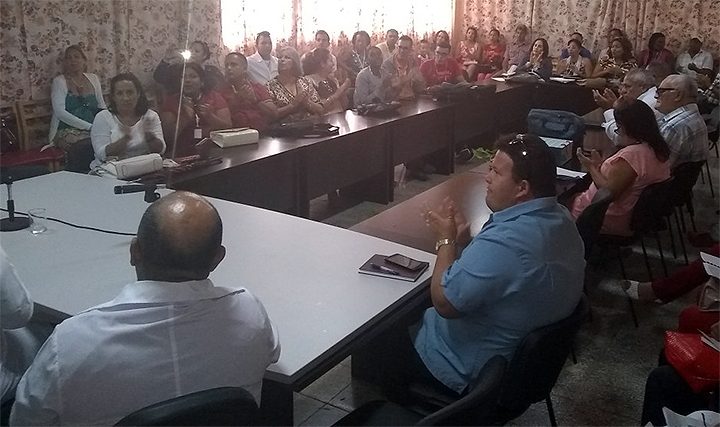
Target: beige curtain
(116, 36)
(556, 19)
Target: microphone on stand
(12, 223)
(150, 190)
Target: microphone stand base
(18, 223)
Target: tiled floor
(605, 387)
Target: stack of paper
(232, 137)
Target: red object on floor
(683, 280)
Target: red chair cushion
(32, 157)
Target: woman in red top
(249, 102)
(491, 57)
(201, 111)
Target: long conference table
(304, 272)
(284, 174)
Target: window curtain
(556, 19)
(116, 36)
(295, 22)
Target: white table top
(304, 272)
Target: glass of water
(37, 220)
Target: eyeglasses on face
(659, 91)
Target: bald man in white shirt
(169, 334)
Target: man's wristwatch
(442, 242)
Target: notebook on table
(378, 265)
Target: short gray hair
(685, 84)
(643, 78)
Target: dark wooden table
(284, 174)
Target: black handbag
(302, 129)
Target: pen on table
(384, 269)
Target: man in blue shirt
(523, 270)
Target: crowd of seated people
(656, 120)
(263, 88)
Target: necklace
(78, 87)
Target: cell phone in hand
(404, 262)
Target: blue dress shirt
(522, 271)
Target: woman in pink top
(641, 161)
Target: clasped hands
(594, 161)
(606, 100)
(447, 222)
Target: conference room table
(283, 173)
(404, 224)
(304, 272)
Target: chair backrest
(223, 406)
(652, 206)
(471, 408)
(537, 362)
(685, 175)
(34, 119)
(591, 219)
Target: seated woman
(468, 53)
(351, 61)
(492, 55)
(318, 66)
(249, 102)
(619, 61)
(76, 98)
(656, 52)
(641, 161)
(441, 36)
(201, 111)
(294, 96)
(538, 61)
(169, 70)
(574, 65)
(127, 128)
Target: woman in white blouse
(128, 127)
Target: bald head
(675, 91)
(179, 239)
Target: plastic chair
(461, 411)
(223, 406)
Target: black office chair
(591, 219)
(460, 412)
(685, 176)
(536, 366)
(223, 406)
(649, 216)
(529, 378)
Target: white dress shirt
(261, 70)
(701, 59)
(385, 49)
(153, 342)
(648, 97)
(16, 309)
